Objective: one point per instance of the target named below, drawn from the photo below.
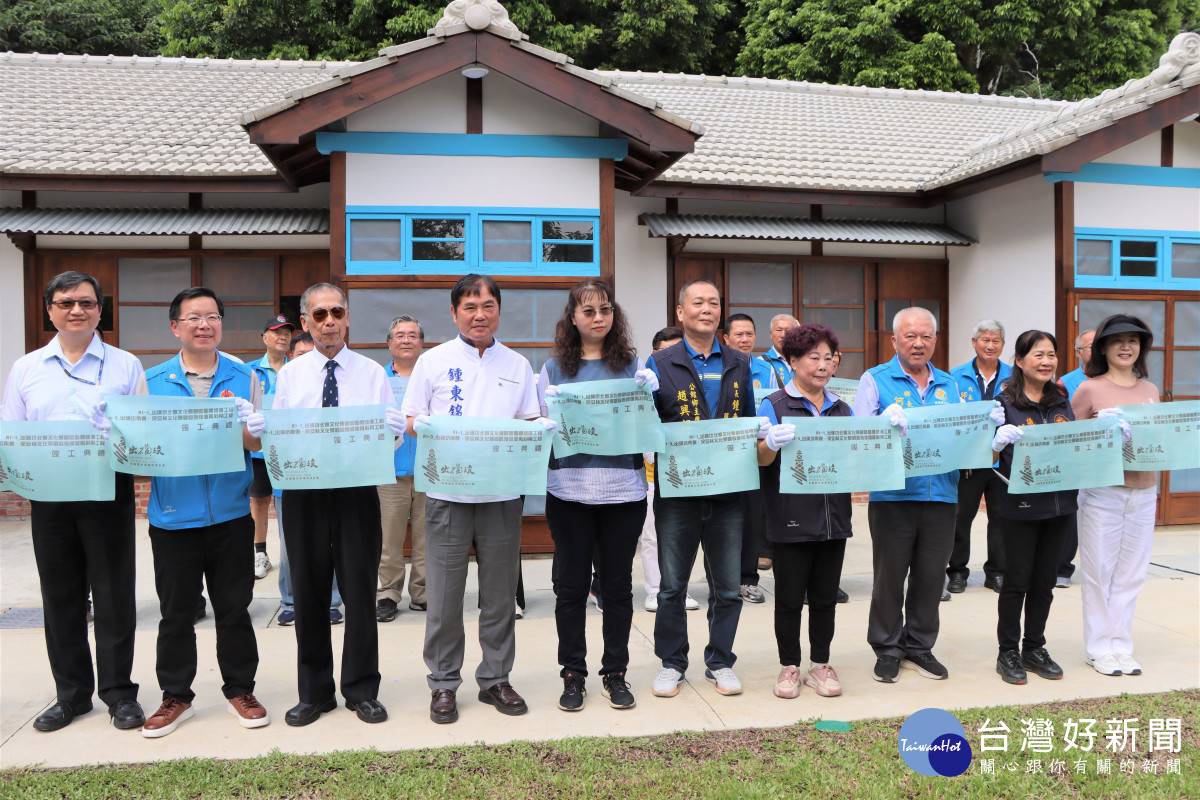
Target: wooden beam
(672, 206)
(122, 183)
(1064, 265)
(758, 194)
(195, 240)
(1167, 147)
(28, 200)
(363, 90)
(337, 219)
(1124, 131)
(474, 105)
(608, 224)
(26, 243)
(817, 247)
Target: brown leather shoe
(444, 708)
(249, 711)
(505, 698)
(167, 718)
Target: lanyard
(68, 373)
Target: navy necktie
(329, 394)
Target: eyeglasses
(603, 311)
(67, 305)
(318, 315)
(212, 319)
(405, 337)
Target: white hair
(914, 310)
(778, 317)
(1079, 338)
(987, 326)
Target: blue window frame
(1134, 259)
(452, 241)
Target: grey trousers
(494, 529)
(909, 540)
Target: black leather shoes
(505, 698)
(307, 713)
(994, 582)
(956, 585)
(369, 710)
(59, 716)
(127, 714)
(443, 709)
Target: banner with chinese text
(604, 418)
(482, 456)
(170, 437)
(55, 462)
(841, 454)
(949, 437)
(1067, 455)
(329, 448)
(1165, 436)
(708, 457)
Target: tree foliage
(119, 27)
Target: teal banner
(604, 418)
(268, 401)
(948, 437)
(1067, 455)
(329, 448)
(169, 437)
(841, 454)
(712, 456)
(761, 394)
(845, 389)
(55, 462)
(399, 386)
(1165, 436)
(482, 457)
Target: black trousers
(754, 534)
(328, 532)
(77, 545)
(609, 533)
(1070, 546)
(974, 484)
(222, 556)
(815, 569)
(1034, 549)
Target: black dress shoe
(505, 698)
(127, 714)
(307, 713)
(994, 582)
(369, 710)
(443, 709)
(59, 716)
(842, 597)
(956, 585)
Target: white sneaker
(751, 594)
(652, 603)
(667, 683)
(1127, 664)
(262, 565)
(1105, 665)
(690, 603)
(518, 612)
(725, 681)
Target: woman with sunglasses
(594, 504)
(1034, 526)
(1116, 523)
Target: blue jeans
(685, 523)
(285, 574)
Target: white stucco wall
(1009, 275)
(641, 270)
(315, 196)
(509, 107)
(439, 106)
(308, 241)
(1187, 145)
(1145, 152)
(69, 242)
(1102, 205)
(12, 321)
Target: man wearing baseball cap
(277, 336)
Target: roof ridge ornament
(476, 15)
(1182, 53)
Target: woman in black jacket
(1034, 526)
(809, 531)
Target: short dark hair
(65, 281)
(1014, 387)
(303, 336)
(683, 289)
(804, 338)
(473, 284)
(666, 334)
(732, 318)
(192, 293)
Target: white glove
(255, 424)
(646, 377)
(779, 435)
(764, 425)
(99, 419)
(1126, 431)
(1115, 411)
(997, 413)
(552, 391)
(419, 421)
(395, 420)
(1006, 435)
(244, 409)
(895, 415)
(548, 424)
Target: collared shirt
(778, 365)
(767, 409)
(201, 382)
(866, 402)
(708, 368)
(361, 382)
(266, 374)
(453, 379)
(38, 389)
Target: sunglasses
(318, 315)
(67, 305)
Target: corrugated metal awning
(731, 226)
(163, 221)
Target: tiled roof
(732, 226)
(163, 221)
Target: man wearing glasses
(81, 544)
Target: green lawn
(797, 761)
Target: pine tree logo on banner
(673, 473)
(119, 450)
(908, 454)
(273, 464)
(798, 469)
(1027, 472)
(431, 469)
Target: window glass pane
(832, 284)
(851, 367)
(240, 279)
(566, 229)
(1185, 260)
(762, 323)
(1139, 249)
(376, 240)
(847, 323)
(242, 327)
(152, 359)
(1185, 480)
(439, 251)
(1154, 368)
(153, 280)
(381, 356)
(529, 315)
(1139, 269)
(438, 228)
(372, 310)
(769, 282)
(147, 328)
(534, 503)
(1185, 372)
(1093, 257)
(507, 241)
(1152, 312)
(537, 356)
(1187, 324)
(568, 253)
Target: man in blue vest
(912, 529)
(780, 325)
(277, 337)
(1070, 382)
(979, 379)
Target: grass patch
(775, 763)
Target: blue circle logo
(932, 742)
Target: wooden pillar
(337, 219)
(474, 105)
(608, 226)
(817, 211)
(1167, 153)
(1064, 267)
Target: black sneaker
(1008, 667)
(925, 664)
(1039, 662)
(573, 693)
(385, 610)
(617, 691)
(886, 669)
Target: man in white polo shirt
(472, 375)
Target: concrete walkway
(1167, 635)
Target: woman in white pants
(1116, 523)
